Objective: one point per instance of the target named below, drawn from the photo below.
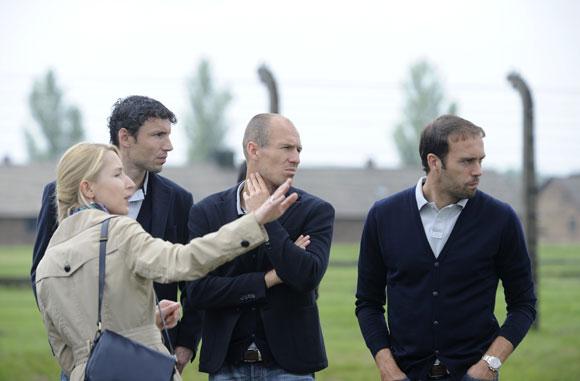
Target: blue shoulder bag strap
(102, 252)
(102, 259)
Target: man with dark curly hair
(140, 127)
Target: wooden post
(268, 80)
(530, 189)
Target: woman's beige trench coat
(67, 278)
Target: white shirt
(241, 211)
(437, 223)
(136, 199)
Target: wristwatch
(492, 362)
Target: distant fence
(551, 268)
(15, 282)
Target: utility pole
(269, 81)
(530, 189)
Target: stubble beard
(153, 168)
(461, 193)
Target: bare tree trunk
(530, 189)
(268, 80)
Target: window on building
(30, 224)
(572, 225)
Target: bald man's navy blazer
(288, 311)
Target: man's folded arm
(299, 268)
(223, 292)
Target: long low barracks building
(351, 191)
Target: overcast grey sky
(339, 64)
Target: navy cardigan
(442, 307)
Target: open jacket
(288, 311)
(67, 278)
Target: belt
(241, 353)
(438, 371)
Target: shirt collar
(140, 193)
(422, 201)
(241, 211)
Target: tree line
(61, 124)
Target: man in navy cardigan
(140, 127)
(435, 253)
(260, 314)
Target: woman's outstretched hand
(266, 207)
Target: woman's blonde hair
(83, 161)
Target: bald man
(260, 314)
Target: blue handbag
(114, 357)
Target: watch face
(493, 362)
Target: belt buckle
(252, 355)
(438, 371)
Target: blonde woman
(92, 186)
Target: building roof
(570, 185)
(21, 189)
(352, 191)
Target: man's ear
(124, 137)
(252, 149)
(433, 162)
(87, 190)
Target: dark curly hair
(131, 112)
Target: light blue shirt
(437, 223)
(136, 199)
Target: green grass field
(549, 354)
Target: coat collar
(161, 197)
(77, 223)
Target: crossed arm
(295, 266)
